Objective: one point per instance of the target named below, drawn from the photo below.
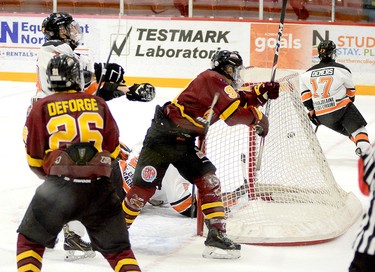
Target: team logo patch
(148, 173)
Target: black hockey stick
(111, 51)
(273, 75)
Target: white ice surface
(161, 239)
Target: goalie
(171, 140)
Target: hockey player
(328, 92)
(364, 257)
(63, 36)
(75, 159)
(172, 136)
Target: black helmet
(57, 22)
(63, 73)
(327, 50)
(224, 58)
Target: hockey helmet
(327, 50)
(224, 58)
(63, 73)
(61, 26)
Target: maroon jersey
(196, 99)
(64, 118)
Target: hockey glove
(267, 90)
(143, 92)
(109, 91)
(313, 118)
(261, 121)
(110, 73)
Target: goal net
(293, 199)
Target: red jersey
(64, 118)
(196, 99)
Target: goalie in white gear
(176, 191)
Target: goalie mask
(228, 64)
(63, 73)
(327, 50)
(61, 26)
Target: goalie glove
(143, 92)
(261, 122)
(112, 72)
(267, 90)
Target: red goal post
(293, 199)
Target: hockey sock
(210, 196)
(123, 261)
(29, 254)
(134, 201)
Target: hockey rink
(162, 240)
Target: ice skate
(219, 246)
(75, 248)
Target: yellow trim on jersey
(116, 152)
(182, 111)
(229, 111)
(34, 162)
(27, 254)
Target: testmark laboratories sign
(177, 43)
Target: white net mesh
(293, 198)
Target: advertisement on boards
(168, 49)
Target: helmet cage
(61, 26)
(224, 59)
(64, 73)
(327, 50)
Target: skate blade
(218, 253)
(74, 255)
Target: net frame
(294, 198)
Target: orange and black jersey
(196, 99)
(63, 118)
(327, 87)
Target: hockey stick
(104, 70)
(233, 196)
(207, 123)
(200, 153)
(273, 75)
